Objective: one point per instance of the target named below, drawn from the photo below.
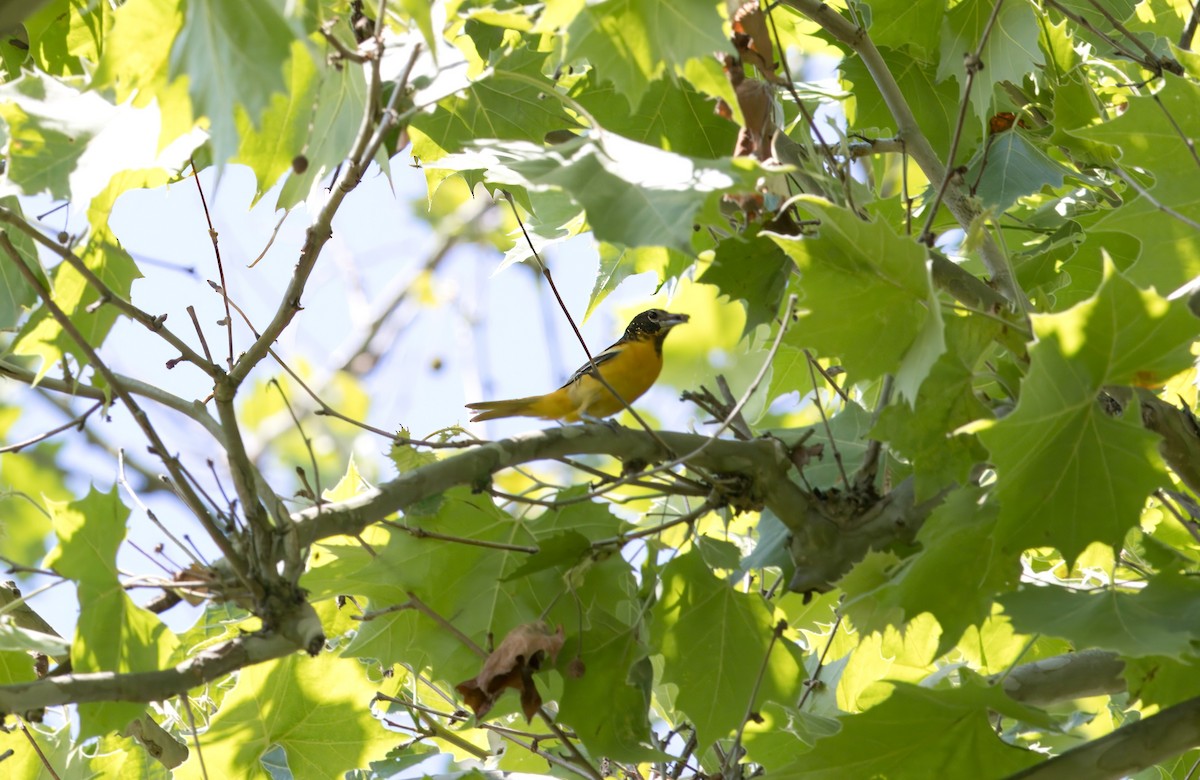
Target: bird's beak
(671, 320)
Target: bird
(630, 366)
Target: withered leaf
(511, 665)
(753, 40)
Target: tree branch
(1128, 750)
(908, 130)
(146, 686)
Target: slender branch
(77, 423)
(909, 131)
(837, 454)
(146, 686)
(1128, 750)
(731, 758)
(320, 231)
(1189, 30)
(973, 63)
(190, 409)
(189, 496)
(216, 245)
(108, 295)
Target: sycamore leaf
(867, 270)
(634, 194)
(954, 576)
(1070, 474)
(753, 271)
(1156, 134)
(615, 670)
(631, 42)
(113, 634)
(918, 733)
(699, 610)
(1158, 620)
(318, 710)
(493, 106)
(675, 117)
(232, 54)
(905, 24)
(16, 294)
(1010, 167)
(71, 144)
(1011, 49)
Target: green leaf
(563, 549)
(1153, 134)
(917, 733)
(317, 709)
(865, 268)
(934, 102)
(632, 43)
(406, 457)
(672, 116)
(634, 195)
(1010, 167)
(73, 145)
(954, 576)
(617, 673)
(1155, 620)
(16, 294)
(618, 263)
(1069, 473)
(233, 54)
(927, 431)
(113, 634)
(753, 271)
(699, 610)
(43, 337)
(1160, 681)
(496, 106)
(900, 24)
(337, 98)
(1011, 49)
(460, 581)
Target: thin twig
(237, 562)
(428, 612)
(76, 423)
(1185, 41)
(732, 757)
(123, 481)
(154, 324)
(811, 683)
(1153, 201)
(837, 455)
(187, 703)
(191, 310)
(421, 533)
(973, 64)
(38, 749)
(581, 761)
(212, 234)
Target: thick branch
(764, 462)
(1129, 749)
(1064, 677)
(145, 686)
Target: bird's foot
(608, 422)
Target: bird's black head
(653, 323)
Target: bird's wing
(600, 359)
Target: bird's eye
(652, 315)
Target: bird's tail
(512, 407)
